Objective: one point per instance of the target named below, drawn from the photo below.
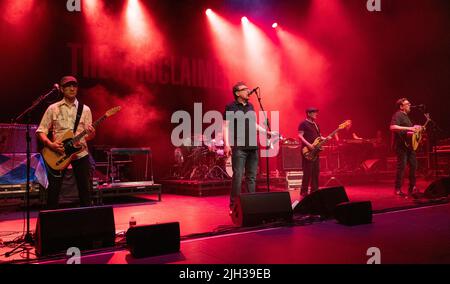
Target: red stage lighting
(226, 39)
(16, 12)
(244, 20)
(137, 22)
(209, 12)
(274, 25)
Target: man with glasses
(240, 139)
(59, 118)
(400, 126)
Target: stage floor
(410, 236)
(209, 215)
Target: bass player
(308, 131)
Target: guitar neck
(331, 134)
(84, 132)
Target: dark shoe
(413, 190)
(399, 193)
(413, 193)
(412, 196)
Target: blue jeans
(243, 161)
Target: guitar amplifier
(290, 158)
(12, 138)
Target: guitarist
(308, 131)
(58, 119)
(400, 125)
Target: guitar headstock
(113, 111)
(345, 124)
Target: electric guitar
(415, 138)
(319, 142)
(60, 161)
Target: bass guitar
(319, 142)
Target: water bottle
(132, 221)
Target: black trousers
(405, 156)
(82, 173)
(311, 171)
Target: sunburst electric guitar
(319, 142)
(60, 161)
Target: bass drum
(229, 167)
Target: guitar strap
(77, 120)
(317, 128)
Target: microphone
(418, 106)
(253, 91)
(43, 97)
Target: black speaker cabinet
(438, 188)
(85, 228)
(152, 240)
(290, 158)
(258, 208)
(322, 202)
(354, 213)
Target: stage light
(137, 21)
(274, 25)
(209, 12)
(244, 20)
(134, 11)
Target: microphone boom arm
(36, 103)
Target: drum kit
(202, 159)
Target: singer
(68, 114)
(239, 133)
(400, 125)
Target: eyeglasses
(406, 104)
(70, 84)
(244, 89)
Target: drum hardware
(205, 162)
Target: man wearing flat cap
(308, 131)
(59, 118)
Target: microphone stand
(433, 129)
(267, 138)
(28, 238)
